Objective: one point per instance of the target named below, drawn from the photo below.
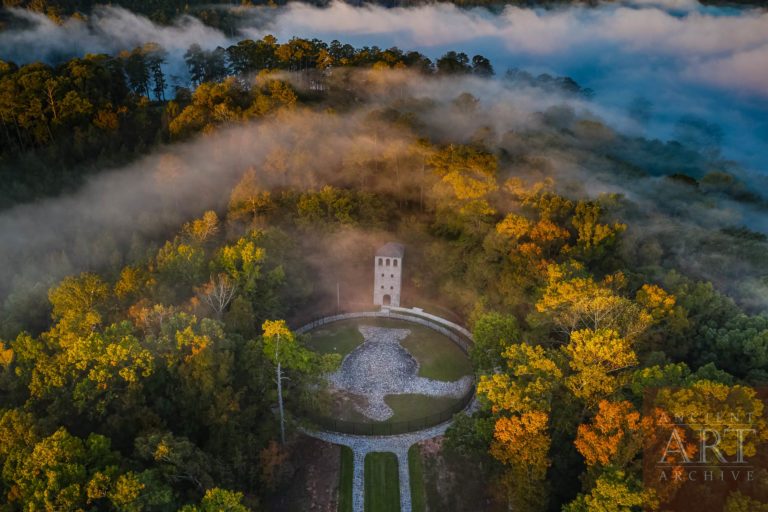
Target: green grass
(416, 473)
(335, 338)
(439, 358)
(382, 483)
(416, 407)
(345, 479)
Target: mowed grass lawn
(382, 483)
(416, 407)
(336, 338)
(439, 358)
(416, 472)
(345, 479)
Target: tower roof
(391, 250)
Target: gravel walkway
(363, 445)
(380, 366)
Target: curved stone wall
(454, 332)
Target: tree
(179, 263)
(219, 500)
(531, 379)
(468, 173)
(281, 347)
(595, 240)
(134, 281)
(138, 71)
(249, 199)
(179, 459)
(242, 261)
(573, 300)
(218, 293)
(613, 437)
(201, 230)
(522, 443)
(78, 303)
(493, 333)
(105, 366)
(241, 56)
(195, 59)
(481, 66)
(453, 63)
(614, 491)
(156, 56)
(522, 397)
(597, 358)
(738, 502)
(64, 472)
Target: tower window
(394, 264)
(391, 287)
(390, 275)
(381, 262)
(387, 261)
(382, 287)
(382, 275)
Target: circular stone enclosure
(393, 373)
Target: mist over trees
(223, 15)
(102, 110)
(155, 384)
(147, 360)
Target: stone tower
(388, 274)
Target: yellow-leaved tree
(281, 347)
(469, 173)
(522, 397)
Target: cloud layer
(685, 59)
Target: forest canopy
(149, 358)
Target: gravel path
(363, 445)
(380, 366)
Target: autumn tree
(79, 302)
(180, 264)
(217, 500)
(64, 472)
(249, 199)
(522, 443)
(614, 436)
(218, 293)
(522, 397)
(281, 347)
(469, 173)
(241, 261)
(599, 360)
(595, 239)
(614, 491)
(203, 229)
(574, 301)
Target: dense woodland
(61, 123)
(148, 382)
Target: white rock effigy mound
(380, 366)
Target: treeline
(61, 123)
